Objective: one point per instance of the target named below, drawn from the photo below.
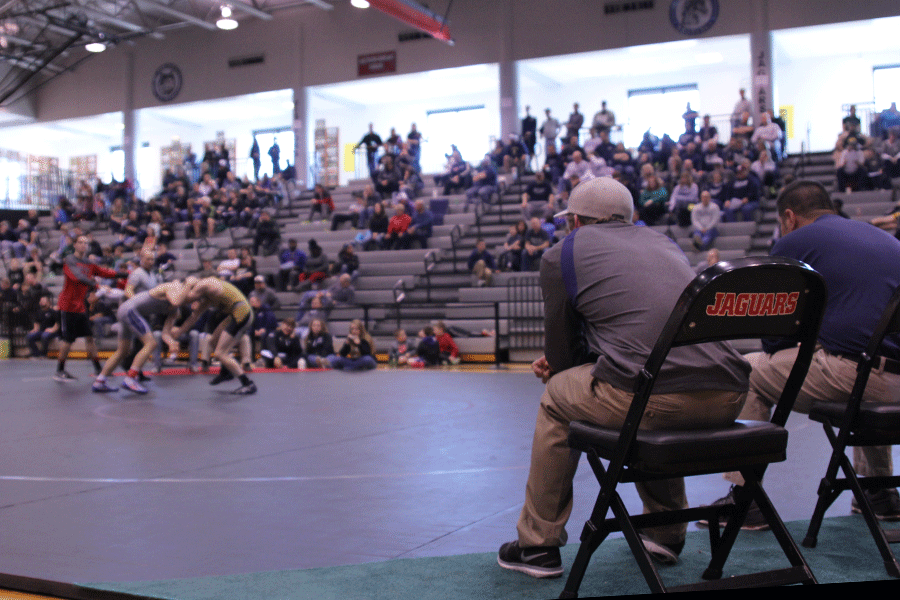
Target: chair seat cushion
(879, 420)
(696, 451)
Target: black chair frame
(746, 446)
(860, 423)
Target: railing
(456, 235)
(526, 313)
(430, 260)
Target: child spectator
(428, 352)
(318, 345)
(449, 352)
(284, 347)
(401, 350)
(356, 353)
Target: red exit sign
(376, 64)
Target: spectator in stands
(742, 195)
(165, 260)
(347, 262)
(266, 296)
(449, 351)
(705, 219)
(515, 156)
(264, 324)
(481, 265)
(45, 328)
(357, 352)
(711, 157)
(653, 200)
(267, 236)
(343, 292)
(411, 185)
(414, 143)
(765, 170)
(229, 266)
(573, 125)
(420, 227)
(401, 350)
(684, 196)
(378, 227)
(291, 263)
(537, 240)
(743, 130)
(387, 177)
(316, 267)
(352, 215)
(549, 130)
(876, 178)
(284, 348)
(314, 304)
(850, 172)
(708, 131)
(890, 153)
(428, 351)
(484, 183)
(604, 119)
(851, 124)
(322, 202)
(770, 133)
(715, 185)
(740, 107)
(577, 167)
(372, 142)
(318, 345)
(510, 258)
(397, 226)
(245, 273)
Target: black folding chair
(859, 423)
(724, 302)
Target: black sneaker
(64, 376)
(885, 504)
(224, 375)
(245, 390)
(142, 378)
(666, 554)
(754, 521)
(539, 561)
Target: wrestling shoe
(224, 375)
(102, 386)
(142, 378)
(666, 554)
(539, 561)
(885, 504)
(64, 376)
(753, 522)
(245, 390)
(130, 384)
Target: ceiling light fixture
(360, 3)
(226, 22)
(95, 47)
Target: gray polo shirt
(624, 283)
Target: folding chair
(730, 300)
(860, 423)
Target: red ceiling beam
(416, 15)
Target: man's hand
(541, 369)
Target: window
(658, 109)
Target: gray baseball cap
(600, 198)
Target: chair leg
(827, 492)
(891, 565)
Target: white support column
(761, 61)
(129, 122)
(509, 77)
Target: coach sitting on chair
(859, 263)
(608, 289)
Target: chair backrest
(887, 325)
(758, 297)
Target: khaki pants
(574, 395)
(830, 378)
